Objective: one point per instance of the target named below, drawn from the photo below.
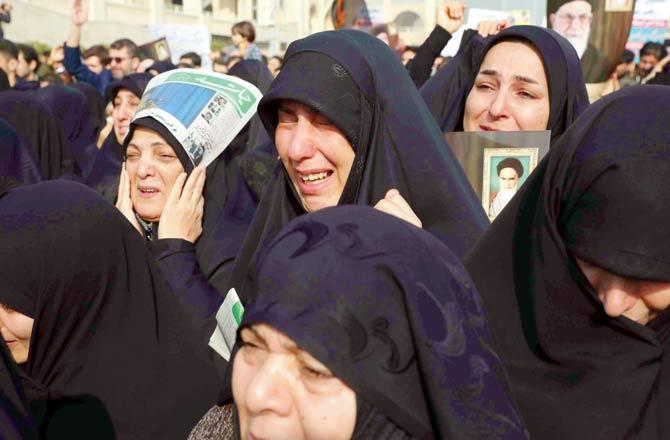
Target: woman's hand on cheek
(393, 203)
(123, 201)
(182, 213)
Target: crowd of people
(336, 246)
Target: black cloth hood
(39, 131)
(424, 360)
(341, 101)
(70, 108)
(15, 421)
(96, 105)
(135, 82)
(253, 135)
(16, 162)
(162, 66)
(106, 325)
(401, 148)
(448, 90)
(103, 175)
(601, 195)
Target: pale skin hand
(123, 201)
(182, 213)
(451, 15)
(79, 17)
(488, 28)
(394, 204)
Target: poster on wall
(598, 30)
(650, 21)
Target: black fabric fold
(16, 161)
(39, 131)
(423, 363)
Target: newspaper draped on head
(203, 111)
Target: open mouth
(487, 128)
(314, 178)
(147, 191)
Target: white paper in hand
(228, 319)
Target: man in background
(96, 58)
(572, 20)
(28, 63)
(190, 59)
(9, 60)
(123, 54)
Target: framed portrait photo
(505, 170)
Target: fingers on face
(176, 188)
(199, 186)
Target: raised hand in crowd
(123, 201)
(491, 27)
(79, 12)
(79, 17)
(451, 16)
(182, 213)
(394, 204)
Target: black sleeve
(178, 264)
(419, 68)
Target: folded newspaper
(228, 319)
(203, 110)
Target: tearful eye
(316, 374)
(284, 117)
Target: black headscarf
(39, 131)
(360, 85)
(70, 107)
(4, 81)
(447, 91)
(96, 105)
(135, 82)
(15, 422)
(253, 134)
(103, 175)
(106, 327)
(601, 195)
(162, 66)
(16, 162)
(424, 360)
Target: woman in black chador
(575, 274)
(105, 350)
(364, 326)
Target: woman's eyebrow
(521, 78)
(526, 79)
